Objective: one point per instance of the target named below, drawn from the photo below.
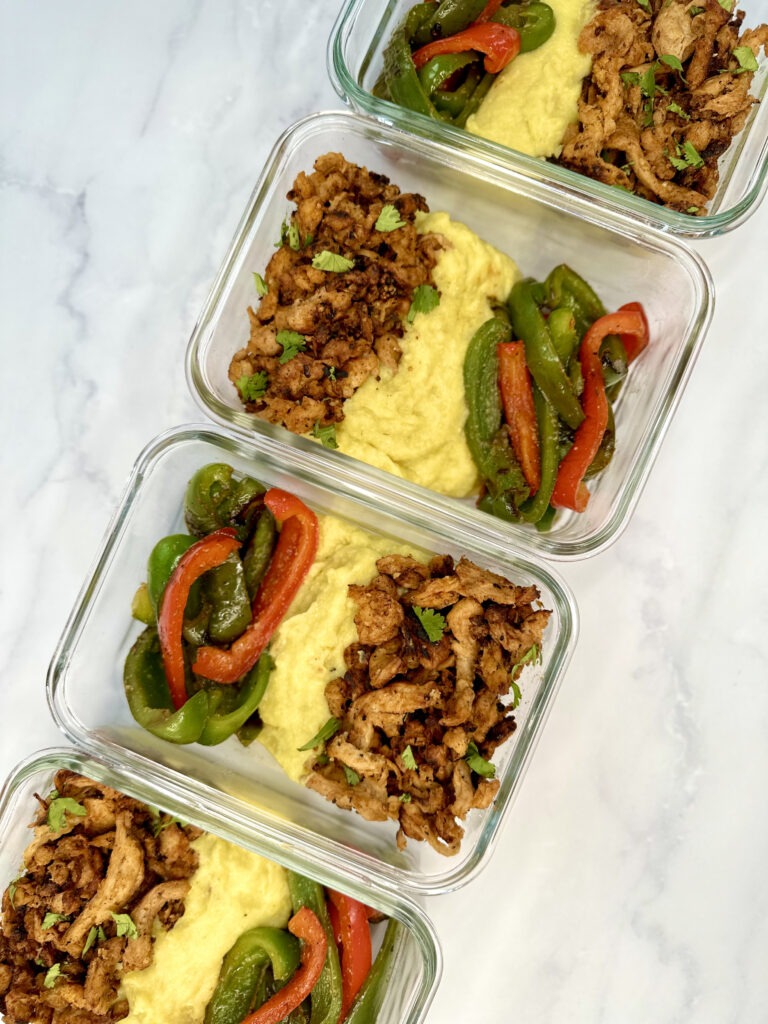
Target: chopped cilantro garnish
(330, 372)
(330, 729)
(351, 776)
(292, 343)
(630, 77)
(405, 798)
(432, 622)
(253, 386)
(746, 59)
(58, 810)
(125, 926)
(332, 261)
(292, 237)
(408, 759)
(693, 11)
(692, 156)
(52, 974)
(517, 695)
(727, 5)
(692, 209)
(477, 763)
(675, 108)
(51, 919)
(531, 657)
(96, 934)
(325, 435)
(645, 4)
(423, 300)
(672, 62)
(261, 285)
(388, 219)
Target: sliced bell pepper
(570, 490)
(291, 561)
(204, 554)
(353, 939)
(519, 410)
(314, 945)
(635, 343)
(499, 43)
(488, 11)
(365, 1009)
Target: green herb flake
(692, 209)
(672, 62)
(630, 77)
(675, 108)
(478, 764)
(51, 919)
(677, 161)
(325, 435)
(531, 657)
(388, 219)
(330, 729)
(12, 890)
(58, 810)
(332, 262)
(125, 926)
(262, 287)
(292, 343)
(727, 5)
(330, 372)
(253, 386)
(517, 695)
(424, 299)
(693, 11)
(692, 156)
(746, 59)
(432, 622)
(292, 237)
(96, 934)
(645, 4)
(408, 759)
(51, 975)
(648, 82)
(405, 798)
(351, 776)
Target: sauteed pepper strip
(291, 561)
(349, 918)
(499, 43)
(519, 410)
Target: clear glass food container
(355, 61)
(244, 787)
(416, 962)
(539, 228)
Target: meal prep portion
(121, 912)
(645, 95)
(380, 676)
(402, 339)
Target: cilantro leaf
(645, 4)
(727, 5)
(677, 162)
(746, 59)
(253, 386)
(51, 919)
(96, 934)
(292, 237)
(292, 343)
(58, 810)
(330, 729)
(331, 261)
(531, 657)
(261, 285)
(692, 156)
(672, 62)
(517, 695)
(125, 926)
(477, 763)
(630, 77)
(351, 776)
(675, 108)
(423, 300)
(408, 759)
(693, 11)
(326, 435)
(52, 974)
(432, 622)
(405, 798)
(388, 219)
(648, 82)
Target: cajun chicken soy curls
(519, 375)
(114, 894)
(666, 91)
(423, 655)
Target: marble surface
(629, 883)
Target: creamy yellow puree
(411, 423)
(535, 98)
(231, 891)
(308, 646)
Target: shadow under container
(244, 786)
(539, 229)
(355, 63)
(416, 959)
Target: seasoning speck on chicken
(335, 295)
(101, 869)
(426, 698)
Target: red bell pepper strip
(306, 926)
(291, 561)
(519, 410)
(570, 491)
(205, 554)
(499, 43)
(353, 938)
(488, 12)
(635, 343)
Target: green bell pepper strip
(613, 356)
(418, 21)
(534, 21)
(258, 552)
(162, 561)
(453, 103)
(225, 589)
(562, 326)
(141, 606)
(149, 699)
(243, 969)
(402, 79)
(452, 16)
(546, 369)
(564, 286)
(215, 497)
(229, 709)
(545, 523)
(478, 95)
(441, 69)
(606, 449)
(327, 993)
(532, 510)
(366, 1007)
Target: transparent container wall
(416, 959)
(623, 262)
(355, 61)
(245, 784)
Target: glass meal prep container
(416, 959)
(244, 786)
(539, 229)
(355, 62)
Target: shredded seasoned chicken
(344, 323)
(101, 869)
(668, 91)
(422, 708)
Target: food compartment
(246, 785)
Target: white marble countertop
(629, 883)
